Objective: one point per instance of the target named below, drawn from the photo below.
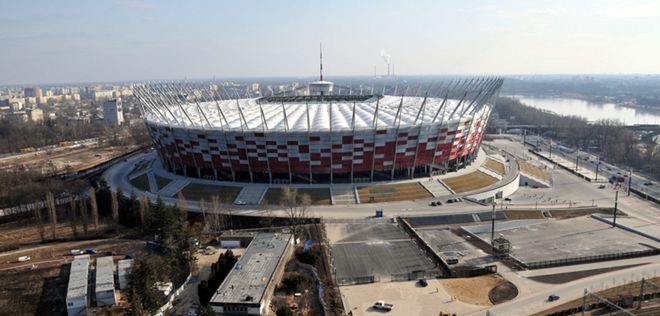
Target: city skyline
(129, 40)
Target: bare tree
(114, 206)
(144, 211)
(216, 219)
(95, 209)
(296, 207)
(40, 222)
(182, 209)
(74, 217)
(202, 208)
(52, 213)
(83, 212)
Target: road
(537, 302)
(592, 162)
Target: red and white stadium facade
(317, 138)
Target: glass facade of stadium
(319, 157)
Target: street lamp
(616, 200)
(492, 230)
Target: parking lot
(543, 240)
(375, 250)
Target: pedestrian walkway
(153, 185)
(251, 194)
(435, 187)
(174, 187)
(343, 194)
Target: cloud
(634, 11)
(135, 5)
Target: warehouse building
(248, 288)
(105, 282)
(76, 293)
(123, 270)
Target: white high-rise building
(112, 112)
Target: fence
(172, 296)
(358, 280)
(415, 275)
(586, 259)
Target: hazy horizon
(45, 42)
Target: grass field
(141, 182)
(393, 192)
(469, 182)
(494, 166)
(533, 171)
(511, 215)
(195, 191)
(317, 196)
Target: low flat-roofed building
(105, 282)
(248, 288)
(123, 270)
(76, 292)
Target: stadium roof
(194, 107)
(246, 114)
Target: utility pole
(492, 230)
(616, 201)
(550, 148)
(524, 137)
(577, 159)
(641, 294)
(597, 165)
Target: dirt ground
(26, 232)
(73, 159)
(408, 298)
(38, 287)
(472, 290)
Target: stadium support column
(353, 143)
(332, 160)
(309, 143)
(396, 135)
(265, 130)
(286, 137)
(242, 121)
(375, 125)
(224, 136)
(419, 135)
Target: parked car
(239, 202)
(648, 183)
(434, 204)
(91, 251)
(76, 252)
(507, 199)
(553, 297)
(381, 305)
(24, 258)
(422, 282)
(602, 186)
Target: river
(591, 111)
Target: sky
(116, 40)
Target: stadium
(319, 134)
